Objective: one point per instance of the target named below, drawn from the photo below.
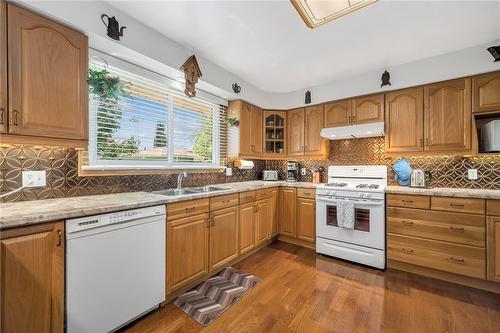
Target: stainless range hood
(354, 131)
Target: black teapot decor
(114, 30)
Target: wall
(61, 165)
(447, 171)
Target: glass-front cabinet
(274, 133)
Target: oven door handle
(363, 203)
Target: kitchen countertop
(39, 211)
(446, 192)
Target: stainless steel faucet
(180, 177)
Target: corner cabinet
(32, 278)
(486, 92)
(274, 134)
(50, 107)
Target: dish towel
(345, 214)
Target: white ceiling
(267, 44)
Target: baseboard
(300, 242)
(446, 276)
(173, 295)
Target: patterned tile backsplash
(62, 170)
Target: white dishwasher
(115, 268)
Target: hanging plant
(232, 121)
(104, 85)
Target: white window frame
(172, 86)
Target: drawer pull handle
(2, 111)
(307, 193)
(407, 250)
(407, 222)
(456, 229)
(457, 205)
(459, 260)
(407, 201)
(190, 209)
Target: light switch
(472, 174)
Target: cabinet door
(295, 131)
(314, 120)
(368, 109)
(261, 221)
(223, 237)
(273, 211)
(493, 252)
(486, 92)
(288, 197)
(32, 278)
(3, 67)
(338, 113)
(54, 101)
(187, 250)
(306, 219)
(256, 131)
(447, 117)
(245, 112)
(404, 120)
(247, 234)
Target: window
(141, 119)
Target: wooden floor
(304, 292)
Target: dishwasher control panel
(88, 222)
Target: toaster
(269, 175)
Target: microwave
(269, 175)
(490, 137)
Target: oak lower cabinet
(306, 219)
(255, 223)
(247, 227)
(297, 218)
(288, 202)
(51, 106)
(493, 221)
(32, 278)
(261, 221)
(486, 93)
(273, 211)
(187, 250)
(223, 237)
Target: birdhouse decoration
(192, 73)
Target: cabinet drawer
(248, 196)
(263, 194)
(493, 207)
(306, 193)
(458, 259)
(223, 201)
(187, 208)
(409, 201)
(463, 205)
(451, 227)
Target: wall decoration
(192, 73)
(236, 88)
(495, 52)
(114, 30)
(386, 77)
(308, 97)
(232, 121)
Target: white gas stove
(364, 187)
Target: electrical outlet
(34, 178)
(229, 171)
(472, 174)
(303, 171)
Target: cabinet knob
(15, 121)
(407, 222)
(456, 228)
(407, 250)
(458, 260)
(59, 238)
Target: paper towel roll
(243, 164)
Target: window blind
(146, 122)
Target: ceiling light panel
(318, 12)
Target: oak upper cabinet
(223, 237)
(273, 211)
(306, 219)
(256, 131)
(261, 221)
(295, 131)
(367, 109)
(187, 249)
(447, 115)
(250, 127)
(486, 92)
(274, 134)
(47, 78)
(338, 113)
(32, 278)
(3, 67)
(287, 218)
(247, 233)
(314, 143)
(404, 120)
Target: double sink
(173, 192)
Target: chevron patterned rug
(210, 299)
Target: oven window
(362, 222)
